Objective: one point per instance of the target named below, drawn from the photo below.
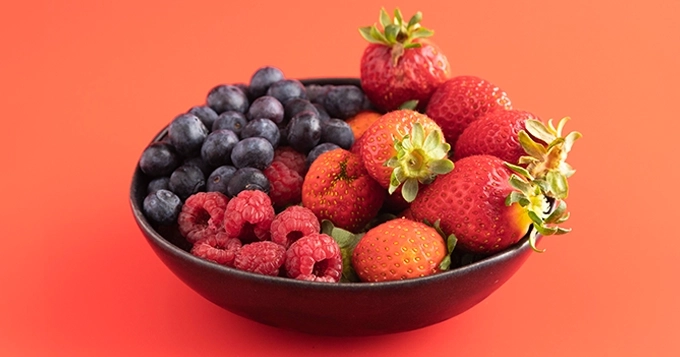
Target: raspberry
(261, 257)
(315, 257)
(218, 248)
(295, 160)
(202, 215)
(285, 184)
(292, 224)
(250, 215)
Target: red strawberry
(338, 188)
(486, 210)
(496, 133)
(398, 249)
(400, 65)
(404, 146)
(461, 100)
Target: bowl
(342, 309)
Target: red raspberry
(218, 248)
(315, 257)
(202, 215)
(249, 216)
(285, 184)
(295, 160)
(292, 224)
(261, 257)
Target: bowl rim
(164, 244)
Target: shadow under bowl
(343, 309)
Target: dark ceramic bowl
(349, 309)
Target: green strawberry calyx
(397, 33)
(545, 217)
(546, 163)
(419, 160)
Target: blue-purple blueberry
(187, 180)
(263, 78)
(219, 179)
(262, 128)
(226, 97)
(230, 120)
(253, 152)
(247, 178)
(187, 133)
(266, 107)
(217, 147)
(338, 132)
(159, 159)
(304, 131)
(162, 207)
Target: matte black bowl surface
(344, 309)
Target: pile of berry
(408, 174)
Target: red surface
(85, 86)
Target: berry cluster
(245, 233)
(261, 136)
(399, 171)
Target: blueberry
(262, 128)
(187, 180)
(287, 89)
(187, 134)
(318, 150)
(162, 206)
(205, 113)
(253, 152)
(344, 101)
(226, 97)
(246, 90)
(197, 161)
(338, 132)
(219, 179)
(304, 131)
(159, 183)
(263, 78)
(266, 107)
(216, 149)
(247, 178)
(159, 159)
(323, 114)
(317, 92)
(230, 120)
(297, 105)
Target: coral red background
(84, 85)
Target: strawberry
(404, 146)
(338, 188)
(399, 249)
(461, 100)
(470, 203)
(495, 133)
(400, 64)
(489, 204)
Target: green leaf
(398, 18)
(409, 104)
(367, 35)
(532, 242)
(441, 167)
(570, 139)
(538, 130)
(558, 185)
(347, 241)
(391, 33)
(519, 170)
(530, 146)
(432, 141)
(377, 35)
(535, 218)
(557, 213)
(417, 135)
(519, 184)
(415, 19)
(385, 19)
(410, 189)
(412, 45)
(422, 33)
